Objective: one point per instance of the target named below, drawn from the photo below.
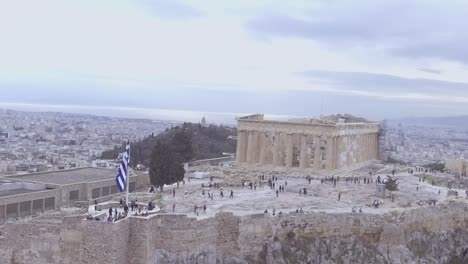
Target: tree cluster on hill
(191, 141)
(165, 153)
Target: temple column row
(277, 149)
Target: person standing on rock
(204, 208)
(232, 194)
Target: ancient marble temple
(328, 143)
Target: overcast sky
(372, 58)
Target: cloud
(170, 9)
(412, 29)
(389, 86)
(428, 70)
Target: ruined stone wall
(319, 237)
(55, 241)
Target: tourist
(376, 204)
(204, 208)
(339, 196)
(173, 192)
(110, 211)
(151, 190)
(305, 191)
(300, 192)
(173, 208)
(115, 212)
(221, 193)
(195, 209)
(301, 211)
(266, 211)
(353, 210)
(360, 210)
(277, 193)
(274, 211)
(126, 208)
(255, 187)
(232, 194)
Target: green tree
(391, 184)
(165, 165)
(182, 142)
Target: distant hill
(207, 142)
(448, 121)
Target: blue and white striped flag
(123, 174)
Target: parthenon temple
(328, 143)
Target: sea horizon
(227, 118)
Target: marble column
(276, 149)
(317, 153)
(368, 148)
(303, 154)
(335, 152)
(250, 139)
(359, 148)
(262, 148)
(239, 145)
(256, 147)
(329, 153)
(376, 146)
(289, 150)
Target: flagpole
(128, 177)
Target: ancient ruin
(328, 143)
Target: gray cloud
(429, 70)
(171, 9)
(415, 29)
(390, 86)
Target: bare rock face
(205, 257)
(421, 247)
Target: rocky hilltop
(425, 235)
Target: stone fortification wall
(315, 238)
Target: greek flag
(123, 169)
